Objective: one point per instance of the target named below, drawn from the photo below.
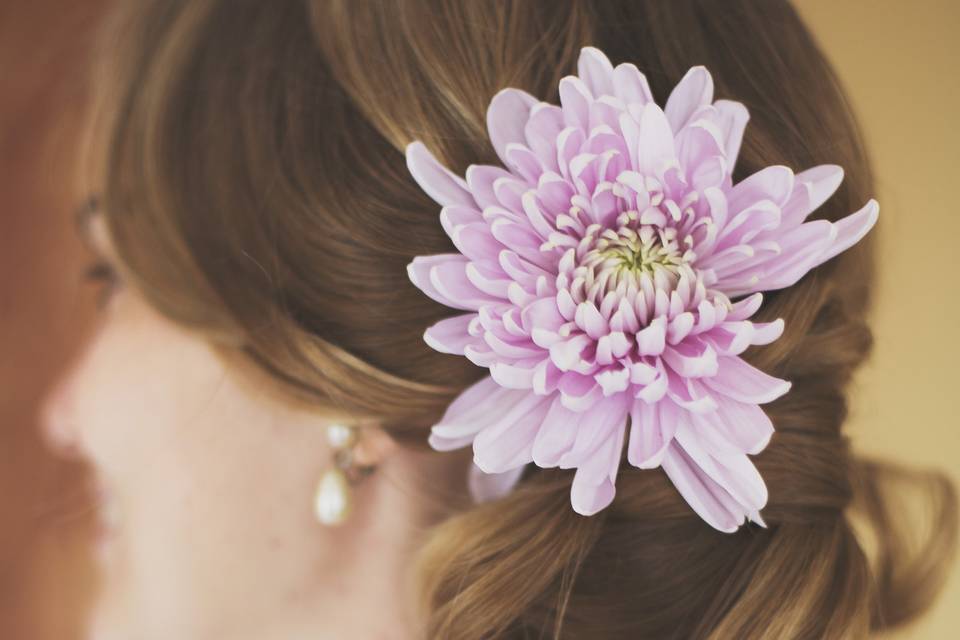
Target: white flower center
(632, 255)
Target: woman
(262, 344)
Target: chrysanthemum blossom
(606, 278)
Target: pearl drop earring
(332, 502)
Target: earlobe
(357, 452)
(373, 447)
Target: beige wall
(899, 63)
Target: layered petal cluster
(606, 277)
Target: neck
(364, 584)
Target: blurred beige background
(899, 62)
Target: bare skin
(208, 489)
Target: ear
(373, 446)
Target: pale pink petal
(554, 193)
(551, 443)
(449, 279)
(514, 376)
(441, 184)
(480, 178)
(475, 241)
(802, 248)
(694, 90)
(513, 347)
(651, 340)
(508, 441)
(588, 499)
(605, 417)
(546, 378)
(486, 487)
(733, 121)
(524, 162)
(566, 353)
(452, 216)
(708, 499)
(418, 270)
(589, 319)
(450, 335)
(656, 145)
(579, 398)
(613, 380)
(770, 183)
(744, 424)
(575, 97)
(767, 332)
(734, 472)
(543, 314)
(541, 131)
(657, 388)
(740, 380)
(593, 485)
(691, 358)
(651, 430)
(851, 229)
(477, 406)
(762, 215)
(596, 71)
(814, 186)
(542, 223)
(631, 85)
(507, 117)
(697, 144)
(743, 309)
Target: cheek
(202, 471)
(142, 387)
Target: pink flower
(607, 278)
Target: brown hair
(256, 190)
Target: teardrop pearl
(331, 504)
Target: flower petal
(694, 90)
(812, 188)
(575, 98)
(507, 117)
(734, 472)
(558, 434)
(851, 229)
(605, 417)
(708, 499)
(631, 85)
(441, 184)
(770, 183)
(450, 335)
(477, 406)
(508, 441)
(480, 178)
(596, 71)
(744, 424)
(740, 380)
(655, 148)
(593, 485)
(485, 487)
(418, 270)
(733, 121)
(651, 430)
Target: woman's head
(254, 193)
